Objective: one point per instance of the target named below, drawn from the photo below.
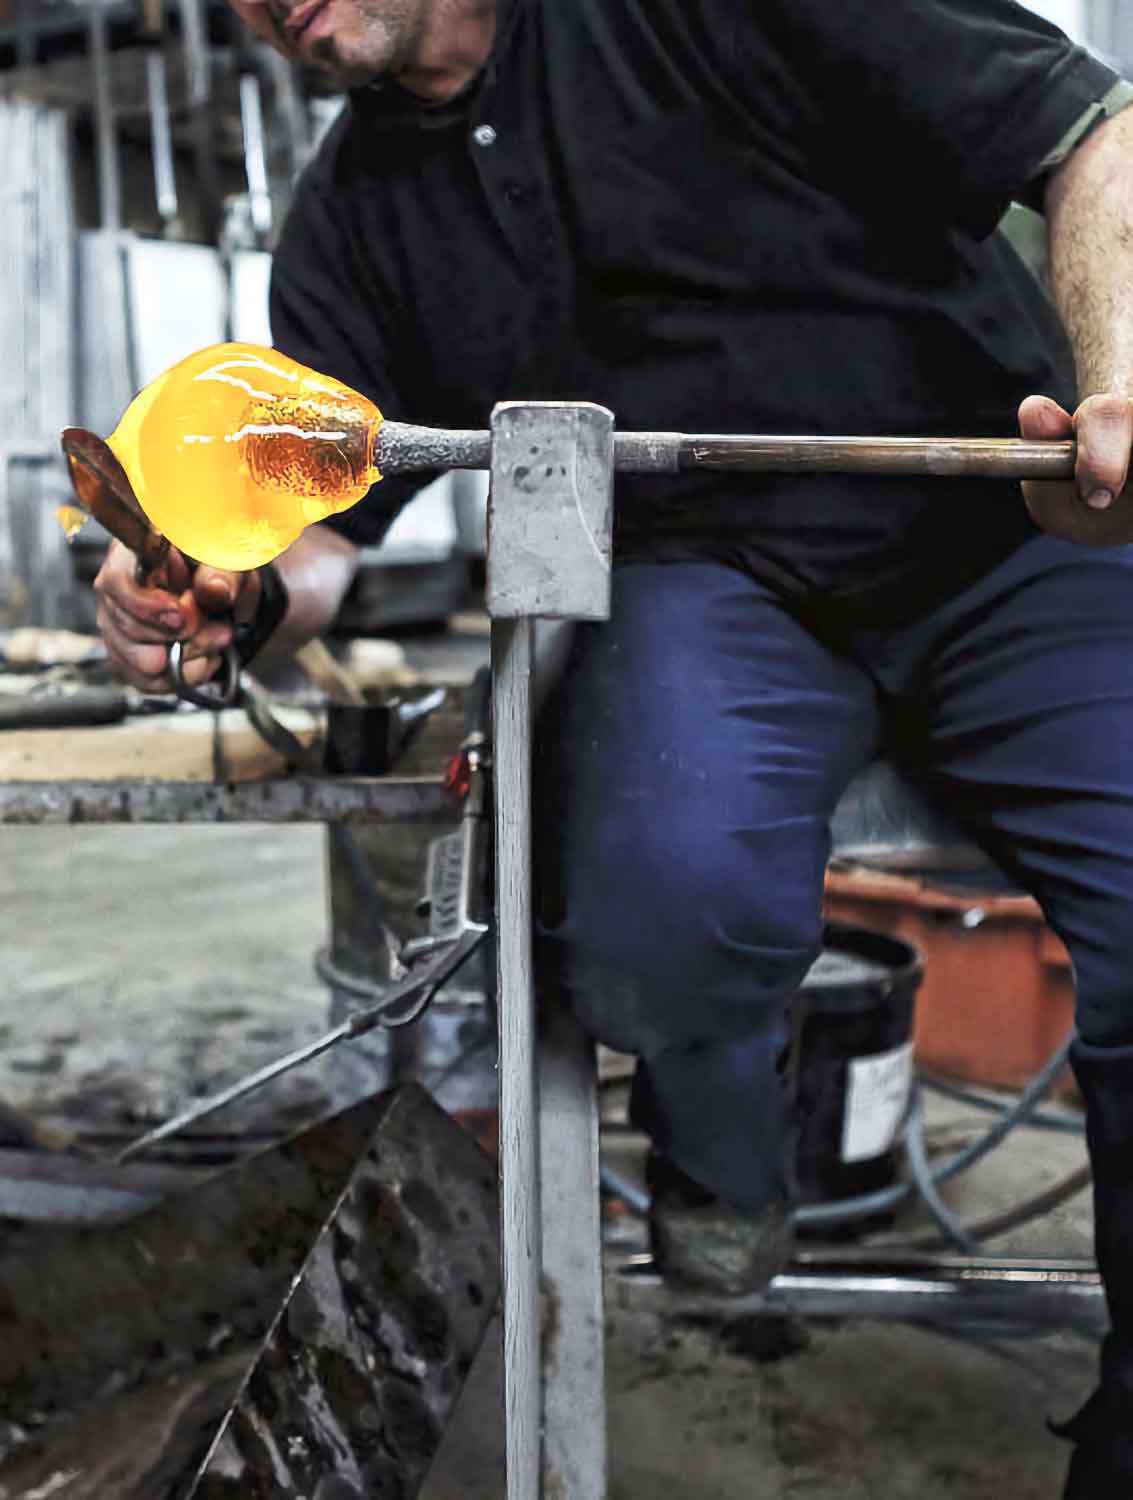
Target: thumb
(214, 589)
(1041, 418)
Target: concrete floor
(145, 965)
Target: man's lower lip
(298, 37)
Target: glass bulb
(237, 449)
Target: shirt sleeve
(327, 312)
(952, 103)
(1119, 97)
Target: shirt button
(484, 135)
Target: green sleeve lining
(1119, 97)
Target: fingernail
(1100, 500)
(171, 619)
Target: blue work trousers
(687, 768)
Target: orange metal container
(998, 993)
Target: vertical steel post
(520, 1213)
(161, 138)
(549, 546)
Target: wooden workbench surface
(163, 747)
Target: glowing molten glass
(235, 450)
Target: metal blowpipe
(402, 448)
(233, 452)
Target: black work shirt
(710, 216)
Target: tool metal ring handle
(222, 691)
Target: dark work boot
(700, 1240)
(1102, 1465)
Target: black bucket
(851, 1064)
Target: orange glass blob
(237, 449)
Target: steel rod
(403, 448)
(255, 154)
(161, 133)
(1034, 1301)
(418, 987)
(204, 1108)
(520, 1195)
(944, 1289)
(983, 458)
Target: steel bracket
(550, 511)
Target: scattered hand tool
(69, 710)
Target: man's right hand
(139, 622)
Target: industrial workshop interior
(324, 448)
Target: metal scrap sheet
(233, 1343)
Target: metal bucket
(852, 1062)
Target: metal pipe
(983, 458)
(194, 36)
(402, 448)
(944, 1289)
(164, 178)
(255, 154)
(520, 1183)
(106, 143)
(198, 68)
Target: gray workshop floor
(142, 965)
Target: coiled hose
(925, 1181)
